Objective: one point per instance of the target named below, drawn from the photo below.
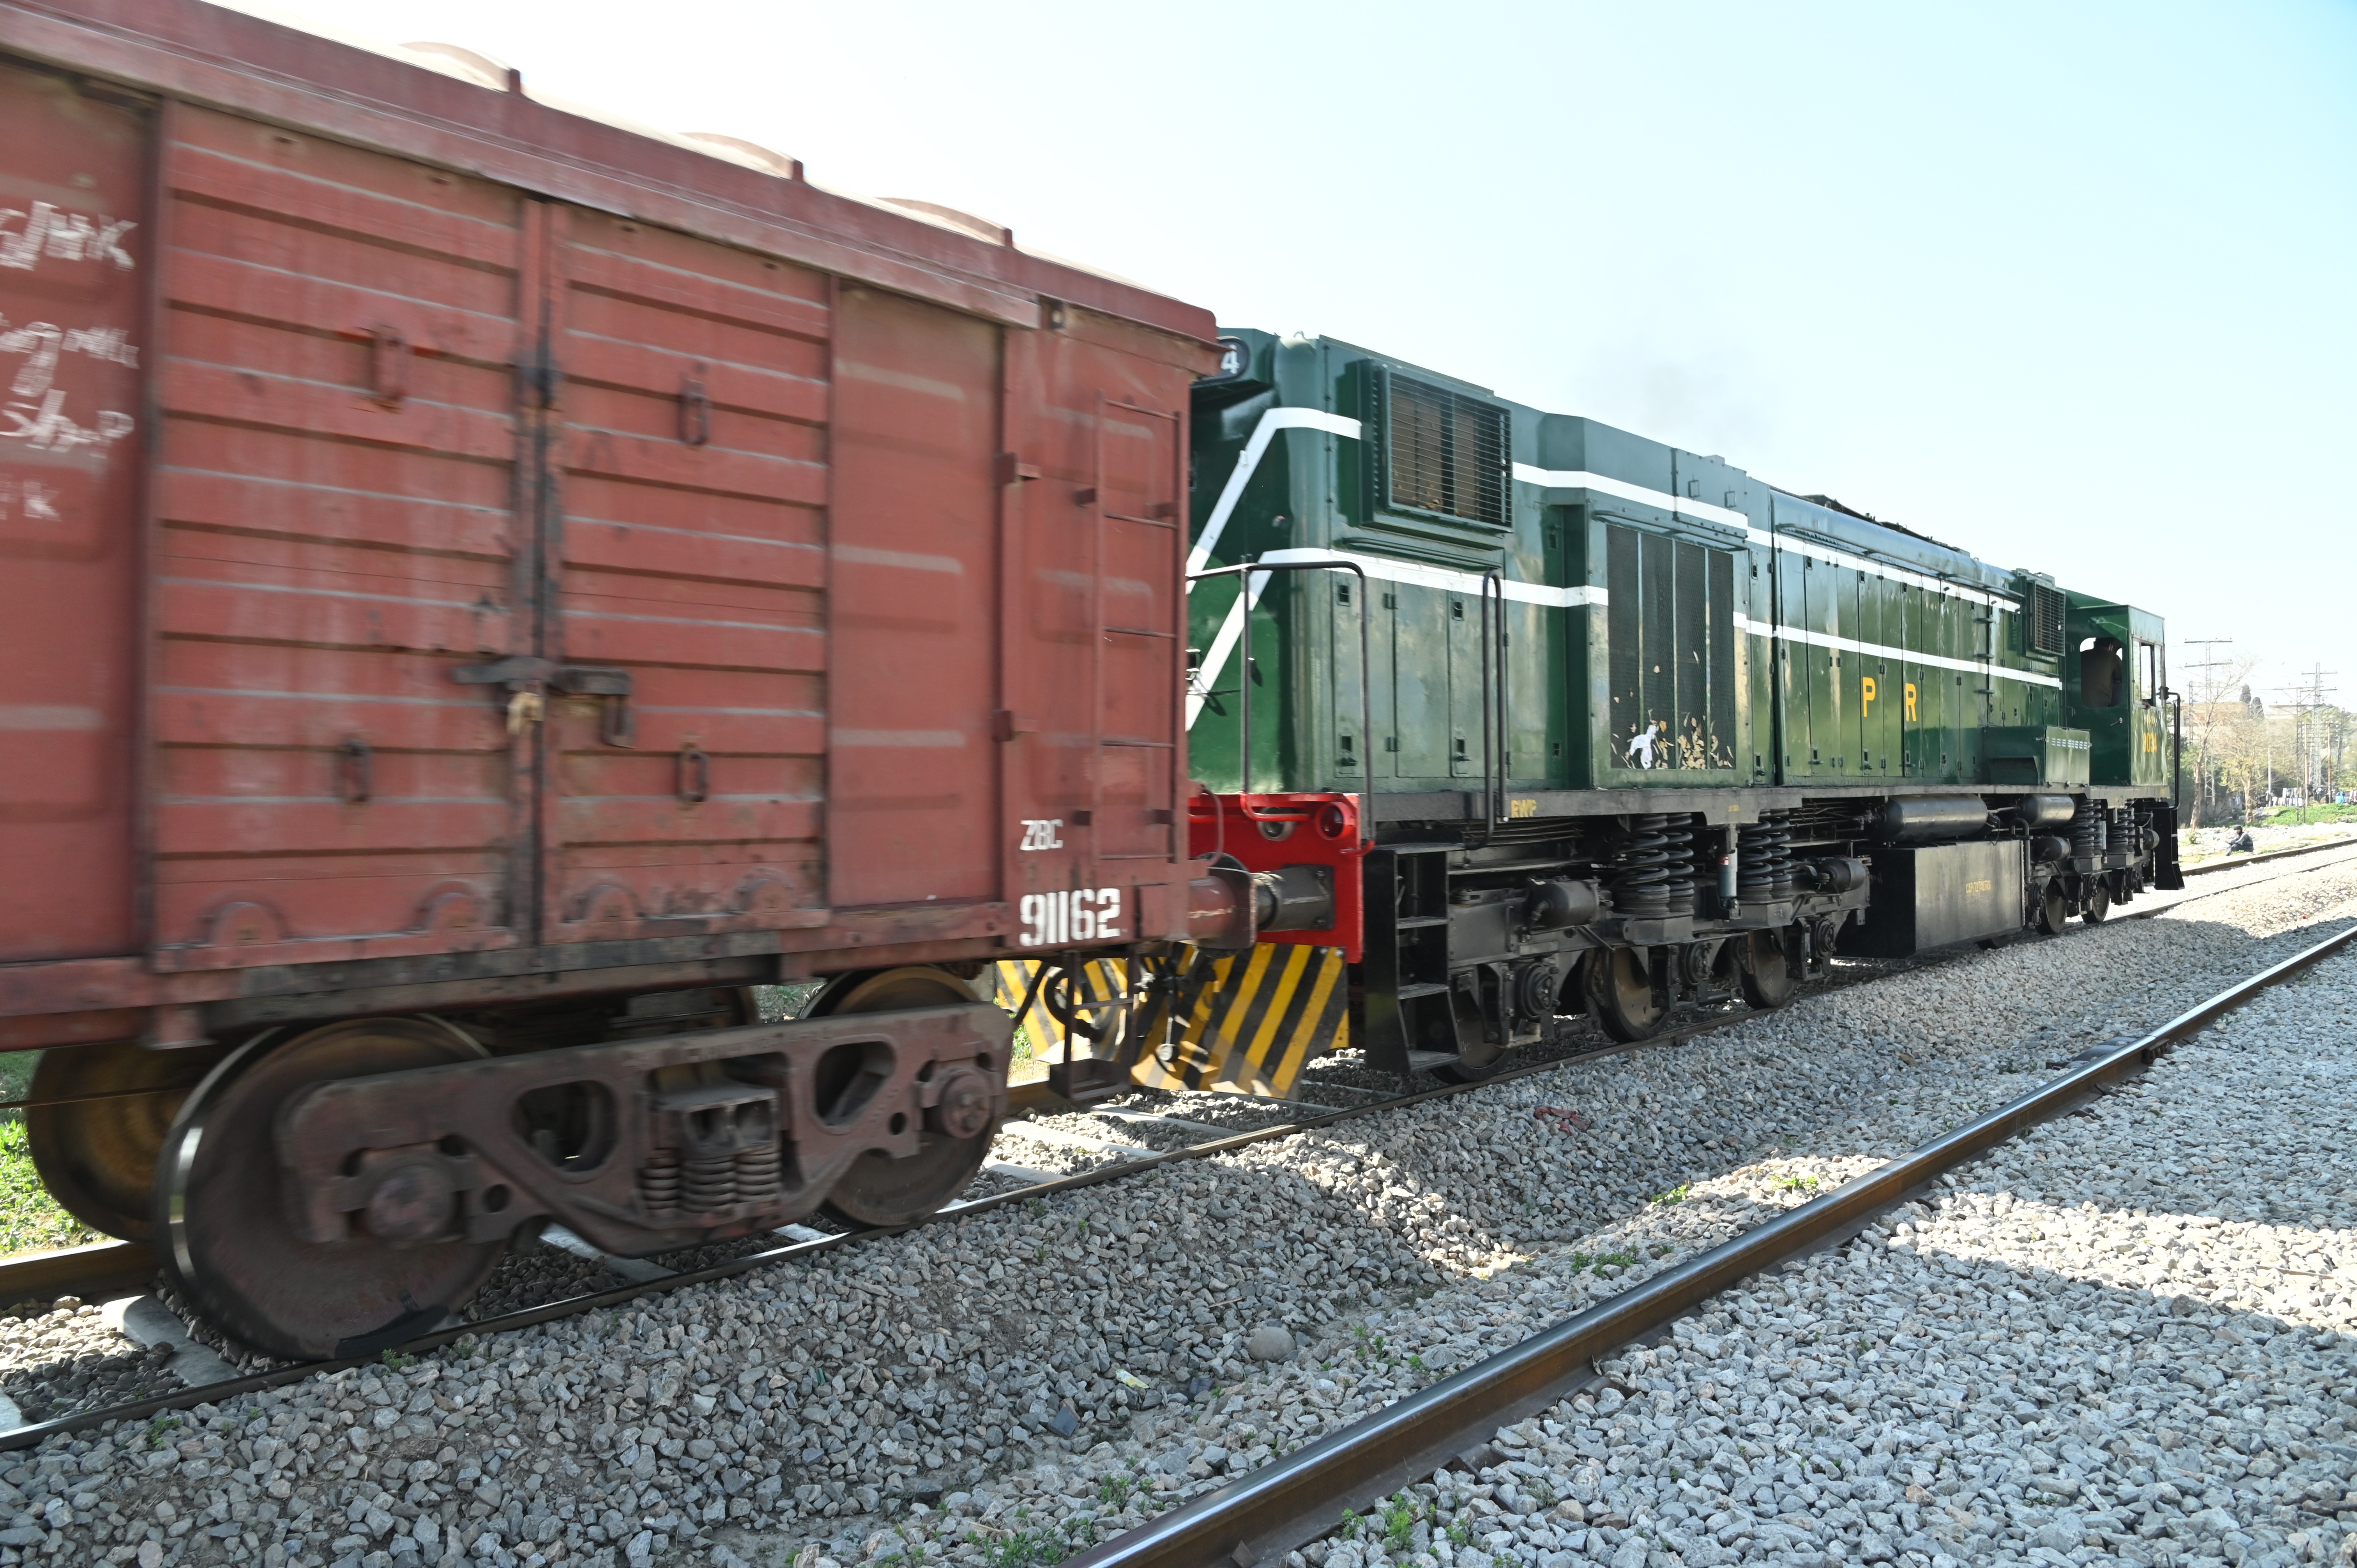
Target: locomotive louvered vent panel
(1445, 452)
(2045, 619)
(1720, 583)
(1669, 634)
(1658, 646)
(1621, 574)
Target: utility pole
(2206, 684)
(2309, 703)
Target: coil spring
(1641, 868)
(1764, 863)
(1683, 872)
(659, 1182)
(1752, 878)
(758, 1177)
(2087, 832)
(708, 1183)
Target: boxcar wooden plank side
(336, 502)
(684, 527)
(914, 539)
(74, 262)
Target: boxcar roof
(249, 65)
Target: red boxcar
(478, 568)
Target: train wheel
(2098, 903)
(97, 1154)
(2053, 909)
(221, 1210)
(876, 1190)
(1628, 1005)
(1765, 960)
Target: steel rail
(2260, 859)
(568, 1307)
(1297, 1498)
(113, 1265)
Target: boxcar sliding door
(335, 492)
(914, 531)
(684, 530)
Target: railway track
(1297, 1498)
(115, 1268)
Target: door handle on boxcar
(388, 365)
(695, 409)
(528, 678)
(694, 780)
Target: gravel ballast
(2128, 1336)
(996, 1390)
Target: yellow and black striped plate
(1253, 1019)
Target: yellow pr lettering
(1867, 686)
(1910, 690)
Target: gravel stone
(59, 1358)
(901, 1397)
(1270, 1342)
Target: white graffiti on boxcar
(44, 426)
(43, 343)
(61, 236)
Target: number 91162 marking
(1082, 915)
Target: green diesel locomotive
(1627, 726)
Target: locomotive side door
(1908, 698)
(1795, 745)
(1422, 636)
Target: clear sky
(2071, 286)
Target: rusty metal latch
(695, 782)
(611, 687)
(356, 770)
(694, 409)
(388, 365)
(529, 679)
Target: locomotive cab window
(2148, 672)
(2100, 669)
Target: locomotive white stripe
(1379, 568)
(1271, 422)
(1884, 651)
(1387, 569)
(1580, 480)
(1390, 570)
(1727, 517)
(1382, 569)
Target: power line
(2308, 704)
